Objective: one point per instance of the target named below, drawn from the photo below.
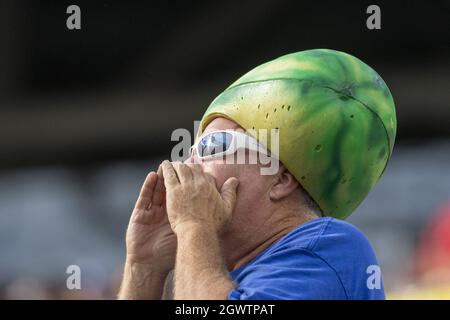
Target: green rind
(335, 116)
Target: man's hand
(198, 212)
(149, 238)
(193, 199)
(151, 244)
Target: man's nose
(192, 159)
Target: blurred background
(86, 114)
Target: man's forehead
(222, 124)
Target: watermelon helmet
(335, 118)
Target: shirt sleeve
(290, 273)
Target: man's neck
(273, 231)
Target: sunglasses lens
(214, 143)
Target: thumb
(228, 192)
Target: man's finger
(228, 193)
(210, 179)
(145, 196)
(195, 167)
(196, 170)
(169, 174)
(160, 190)
(183, 171)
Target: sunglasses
(221, 143)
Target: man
(234, 233)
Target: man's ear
(284, 183)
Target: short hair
(309, 202)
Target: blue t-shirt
(324, 258)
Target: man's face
(253, 186)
